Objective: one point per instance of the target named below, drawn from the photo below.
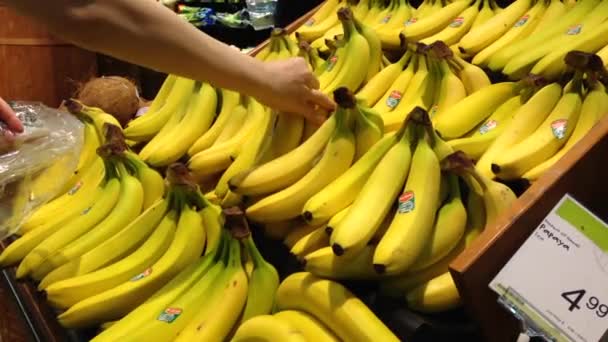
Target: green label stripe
(591, 226)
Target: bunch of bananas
(207, 300)
(428, 76)
(309, 308)
(522, 134)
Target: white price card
(558, 279)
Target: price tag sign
(558, 279)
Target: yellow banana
(145, 127)
(263, 284)
(120, 300)
(336, 159)
(521, 29)
(437, 295)
(375, 198)
(594, 107)
(307, 325)
(163, 93)
(472, 76)
(229, 100)
(525, 121)
(485, 14)
(483, 35)
(555, 11)
(373, 90)
(432, 24)
(392, 97)
(127, 208)
(115, 247)
(474, 145)
(267, 328)
(334, 305)
(543, 143)
(324, 263)
(297, 232)
(285, 170)
(152, 182)
(472, 110)
(412, 225)
(68, 292)
(287, 134)
(311, 242)
(457, 28)
(340, 193)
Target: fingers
(315, 96)
(9, 117)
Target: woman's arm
(146, 33)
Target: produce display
(150, 238)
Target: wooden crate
(580, 173)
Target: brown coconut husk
(115, 95)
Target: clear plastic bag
(35, 164)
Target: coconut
(115, 95)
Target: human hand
(292, 88)
(8, 117)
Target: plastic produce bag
(261, 13)
(37, 163)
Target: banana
(472, 110)
(451, 91)
(280, 230)
(285, 170)
(474, 145)
(163, 93)
(437, 295)
(336, 219)
(173, 318)
(336, 61)
(369, 129)
(214, 322)
(88, 154)
(267, 328)
(593, 109)
(287, 134)
(392, 25)
(221, 155)
(120, 300)
(65, 293)
(72, 229)
(84, 186)
(340, 193)
(571, 19)
(522, 28)
(525, 121)
(20, 248)
(412, 225)
(229, 100)
(157, 140)
(472, 76)
(145, 127)
(392, 97)
(432, 24)
(253, 149)
(115, 247)
(449, 228)
(373, 90)
(483, 35)
(213, 221)
(353, 69)
(336, 159)
(543, 143)
(315, 28)
(485, 13)
(555, 11)
(196, 121)
(297, 233)
(127, 208)
(524, 61)
(324, 263)
(603, 54)
(375, 198)
(235, 124)
(334, 305)
(263, 284)
(158, 302)
(311, 242)
(152, 182)
(419, 93)
(375, 48)
(397, 285)
(307, 325)
(552, 65)
(453, 31)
